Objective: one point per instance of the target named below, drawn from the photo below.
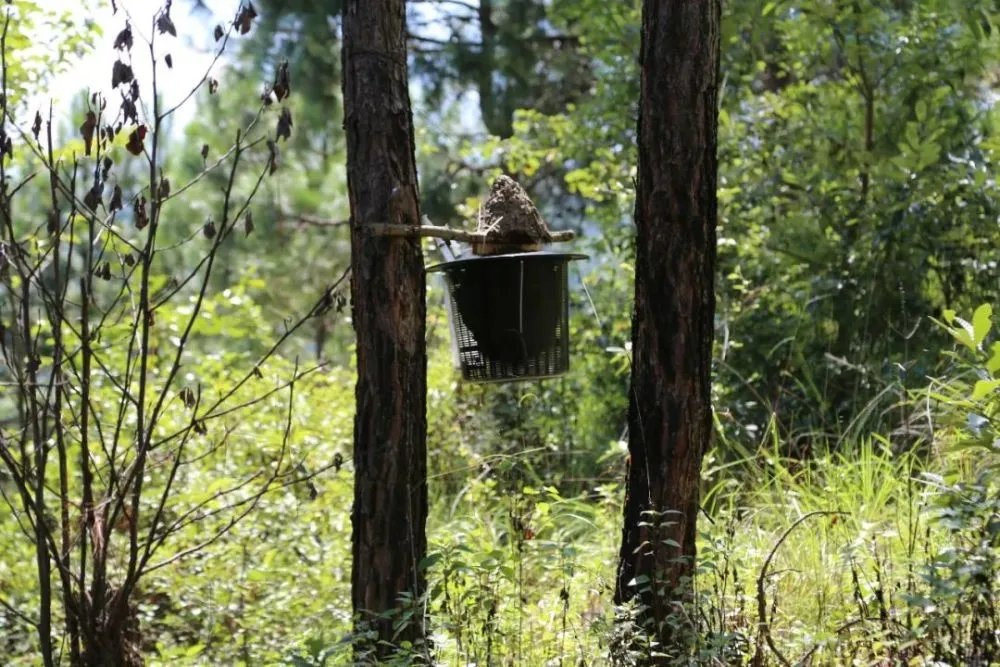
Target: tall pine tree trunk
(387, 290)
(670, 421)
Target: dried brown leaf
(129, 112)
(121, 73)
(93, 198)
(36, 126)
(141, 216)
(284, 130)
(187, 395)
(87, 130)
(282, 85)
(272, 159)
(135, 139)
(124, 38)
(244, 19)
(116, 199)
(248, 224)
(169, 60)
(165, 25)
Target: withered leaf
(93, 198)
(105, 271)
(165, 25)
(204, 152)
(169, 60)
(282, 86)
(141, 216)
(124, 38)
(135, 139)
(87, 130)
(106, 167)
(129, 112)
(213, 85)
(116, 199)
(36, 126)
(324, 305)
(284, 130)
(248, 223)
(120, 73)
(256, 373)
(245, 17)
(209, 229)
(164, 190)
(219, 32)
(267, 97)
(187, 395)
(272, 159)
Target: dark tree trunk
(670, 422)
(387, 290)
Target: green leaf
(964, 333)
(981, 323)
(984, 387)
(993, 365)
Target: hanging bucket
(509, 315)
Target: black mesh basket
(508, 315)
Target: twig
(9, 607)
(448, 234)
(763, 625)
(312, 221)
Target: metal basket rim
(542, 254)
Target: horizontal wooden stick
(426, 230)
(449, 234)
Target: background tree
(670, 411)
(387, 301)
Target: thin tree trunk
(387, 289)
(670, 422)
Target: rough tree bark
(670, 421)
(387, 290)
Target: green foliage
(43, 43)
(842, 233)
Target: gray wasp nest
(510, 221)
